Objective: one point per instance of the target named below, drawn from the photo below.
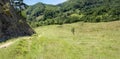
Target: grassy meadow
(89, 41)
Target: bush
(75, 18)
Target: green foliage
(75, 18)
(6, 9)
(23, 13)
(74, 11)
(21, 48)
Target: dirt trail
(6, 44)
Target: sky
(54, 2)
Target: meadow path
(6, 44)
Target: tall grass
(90, 41)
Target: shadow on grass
(5, 38)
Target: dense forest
(73, 11)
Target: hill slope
(73, 11)
(11, 23)
(90, 41)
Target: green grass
(91, 41)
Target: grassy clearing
(90, 41)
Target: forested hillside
(73, 11)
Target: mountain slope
(94, 10)
(11, 23)
(74, 11)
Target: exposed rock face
(11, 23)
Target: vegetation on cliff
(12, 24)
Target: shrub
(75, 17)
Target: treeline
(73, 11)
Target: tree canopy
(18, 4)
(74, 11)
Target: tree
(18, 4)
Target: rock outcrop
(11, 23)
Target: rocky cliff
(11, 23)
